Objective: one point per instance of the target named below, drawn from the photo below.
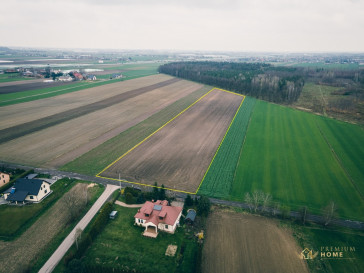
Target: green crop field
(96, 160)
(220, 175)
(12, 78)
(287, 153)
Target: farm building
(78, 76)
(65, 78)
(91, 77)
(4, 178)
(191, 215)
(116, 76)
(155, 216)
(27, 190)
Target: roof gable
(32, 186)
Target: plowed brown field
(179, 154)
(237, 242)
(53, 146)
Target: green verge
(220, 175)
(7, 78)
(94, 161)
(286, 155)
(315, 237)
(121, 246)
(16, 219)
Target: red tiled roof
(168, 213)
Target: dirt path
(35, 239)
(237, 242)
(117, 202)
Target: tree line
(259, 80)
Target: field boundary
(135, 146)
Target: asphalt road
(68, 242)
(294, 214)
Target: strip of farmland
(14, 88)
(13, 115)
(178, 155)
(59, 144)
(33, 126)
(97, 159)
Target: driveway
(67, 243)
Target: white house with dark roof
(27, 190)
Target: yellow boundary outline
(135, 146)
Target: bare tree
(304, 214)
(249, 201)
(73, 202)
(256, 196)
(275, 209)
(266, 199)
(329, 213)
(78, 234)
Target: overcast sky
(229, 25)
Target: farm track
(37, 125)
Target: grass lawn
(16, 219)
(286, 154)
(96, 160)
(122, 246)
(314, 237)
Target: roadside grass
(219, 177)
(94, 161)
(317, 239)
(47, 252)
(16, 219)
(122, 246)
(285, 154)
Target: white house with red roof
(155, 216)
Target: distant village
(49, 74)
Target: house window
(166, 226)
(31, 197)
(45, 191)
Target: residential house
(91, 77)
(4, 178)
(65, 78)
(27, 190)
(77, 76)
(158, 216)
(116, 76)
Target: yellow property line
(237, 111)
(122, 180)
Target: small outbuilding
(191, 215)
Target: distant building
(4, 178)
(27, 190)
(101, 61)
(155, 216)
(91, 77)
(65, 78)
(191, 215)
(116, 76)
(28, 74)
(78, 76)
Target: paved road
(67, 243)
(314, 218)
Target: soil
(236, 242)
(179, 154)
